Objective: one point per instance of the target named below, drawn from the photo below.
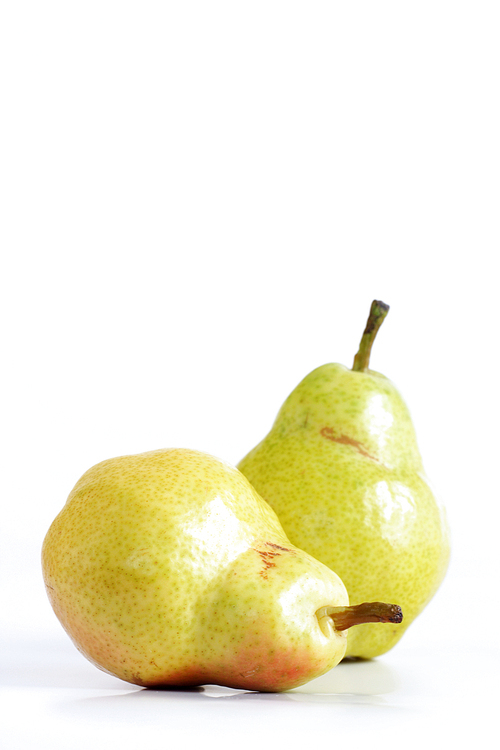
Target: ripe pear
(343, 472)
(167, 568)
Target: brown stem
(378, 311)
(345, 617)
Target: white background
(199, 201)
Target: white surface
(431, 689)
(199, 202)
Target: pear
(343, 472)
(167, 568)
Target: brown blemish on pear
(268, 556)
(276, 546)
(329, 434)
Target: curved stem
(378, 311)
(345, 617)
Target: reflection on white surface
(363, 678)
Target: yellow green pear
(167, 568)
(343, 472)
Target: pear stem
(345, 617)
(378, 311)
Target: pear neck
(378, 311)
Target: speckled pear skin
(167, 568)
(343, 472)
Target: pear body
(167, 568)
(343, 472)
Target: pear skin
(342, 469)
(167, 568)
